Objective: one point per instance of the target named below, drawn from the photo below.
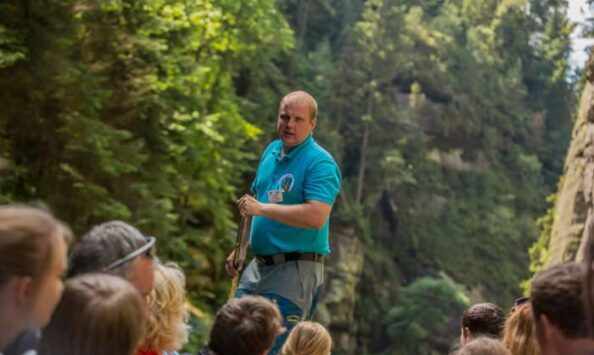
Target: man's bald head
(301, 97)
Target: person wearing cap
(116, 248)
(296, 184)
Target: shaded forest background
(449, 118)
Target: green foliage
(128, 110)
(11, 48)
(421, 321)
(539, 250)
(468, 111)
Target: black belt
(284, 257)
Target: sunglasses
(146, 250)
(518, 302)
(521, 301)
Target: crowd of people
(555, 320)
(112, 295)
(119, 298)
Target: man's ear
(23, 290)
(547, 329)
(466, 334)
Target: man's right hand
(229, 266)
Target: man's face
(50, 287)
(142, 274)
(294, 123)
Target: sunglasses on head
(521, 301)
(147, 250)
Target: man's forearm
(306, 215)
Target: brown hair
(484, 319)
(301, 97)
(26, 238)
(308, 338)
(167, 326)
(484, 346)
(518, 334)
(557, 293)
(245, 326)
(99, 314)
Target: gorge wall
(574, 202)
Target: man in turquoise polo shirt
(295, 187)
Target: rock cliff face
(575, 196)
(338, 299)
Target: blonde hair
(167, 328)
(308, 338)
(518, 334)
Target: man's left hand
(249, 206)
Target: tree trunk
(363, 156)
(302, 17)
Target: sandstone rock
(575, 197)
(337, 303)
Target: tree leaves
(127, 110)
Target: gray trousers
(297, 281)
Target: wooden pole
(240, 251)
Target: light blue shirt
(306, 173)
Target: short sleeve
(266, 152)
(322, 182)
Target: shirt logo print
(286, 182)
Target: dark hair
(245, 326)
(484, 319)
(98, 314)
(102, 245)
(557, 293)
(26, 238)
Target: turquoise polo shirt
(307, 173)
